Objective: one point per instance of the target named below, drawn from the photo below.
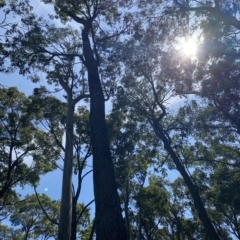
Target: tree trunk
(108, 216)
(65, 221)
(126, 203)
(203, 216)
(74, 218)
(139, 219)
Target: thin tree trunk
(92, 231)
(65, 220)
(74, 222)
(203, 216)
(139, 230)
(108, 216)
(126, 203)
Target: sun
(189, 47)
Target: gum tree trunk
(65, 220)
(108, 217)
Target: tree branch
(51, 220)
(76, 18)
(85, 207)
(225, 17)
(80, 97)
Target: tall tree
(195, 135)
(134, 151)
(64, 75)
(148, 85)
(53, 113)
(108, 219)
(96, 44)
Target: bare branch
(85, 207)
(51, 220)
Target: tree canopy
(118, 98)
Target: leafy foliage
(25, 149)
(173, 127)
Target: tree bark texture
(65, 220)
(108, 217)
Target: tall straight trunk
(202, 213)
(65, 220)
(74, 217)
(108, 217)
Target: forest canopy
(139, 96)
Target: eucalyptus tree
(64, 74)
(216, 161)
(216, 72)
(163, 212)
(149, 83)
(216, 112)
(7, 232)
(90, 15)
(25, 149)
(28, 151)
(134, 152)
(220, 192)
(37, 217)
(52, 113)
(62, 70)
(11, 12)
(29, 219)
(100, 24)
(225, 12)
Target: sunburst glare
(189, 47)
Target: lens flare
(189, 48)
